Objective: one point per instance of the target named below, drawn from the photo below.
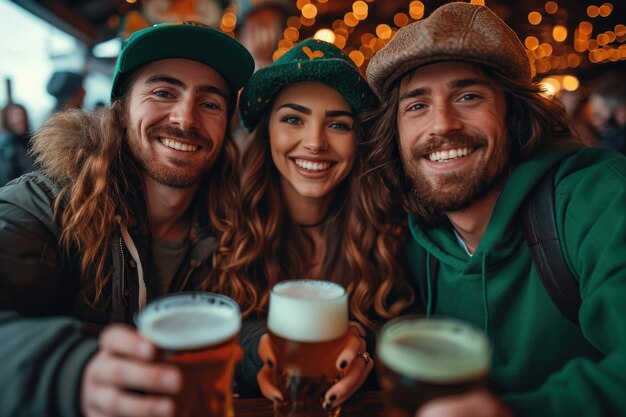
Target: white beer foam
(193, 326)
(308, 310)
(435, 350)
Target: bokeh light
(559, 33)
(570, 83)
(534, 18)
(325, 35)
(551, 7)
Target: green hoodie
(545, 364)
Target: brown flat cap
(456, 31)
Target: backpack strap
(539, 219)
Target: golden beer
(199, 333)
(307, 322)
(420, 359)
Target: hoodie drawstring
(428, 286)
(485, 303)
(141, 302)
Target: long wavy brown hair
(363, 234)
(87, 154)
(531, 121)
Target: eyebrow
(307, 111)
(178, 83)
(460, 83)
(297, 107)
(416, 92)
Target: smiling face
(453, 138)
(312, 139)
(177, 118)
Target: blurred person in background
(576, 104)
(14, 157)
(608, 109)
(260, 25)
(67, 88)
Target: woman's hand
(356, 365)
(264, 377)
(353, 362)
(477, 403)
(121, 366)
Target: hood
(441, 242)
(67, 140)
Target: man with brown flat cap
(464, 136)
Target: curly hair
(99, 179)
(363, 234)
(531, 121)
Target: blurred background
(570, 43)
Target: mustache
(435, 143)
(190, 135)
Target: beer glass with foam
(199, 333)
(307, 325)
(421, 358)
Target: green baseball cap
(310, 60)
(188, 40)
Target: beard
(458, 190)
(178, 173)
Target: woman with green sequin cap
(310, 209)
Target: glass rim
(406, 360)
(186, 313)
(386, 332)
(156, 302)
(320, 282)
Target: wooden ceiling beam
(62, 17)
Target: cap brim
(215, 49)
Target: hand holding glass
(199, 333)
(421, 358)
(307, 323)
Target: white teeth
(312, 166)
(178, 146)
(449, 154)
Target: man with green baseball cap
(498, 190)
(129, 203)
(185, 40)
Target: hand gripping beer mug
(423, 358)
(307, 324)
(199, 333)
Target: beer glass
(307, 325)
(423, 358)
(199, 333)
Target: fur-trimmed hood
(67, 140)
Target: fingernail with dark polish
(332, 398)
(343, 364)
(328, 406)
(270, 363)
(278, 400)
